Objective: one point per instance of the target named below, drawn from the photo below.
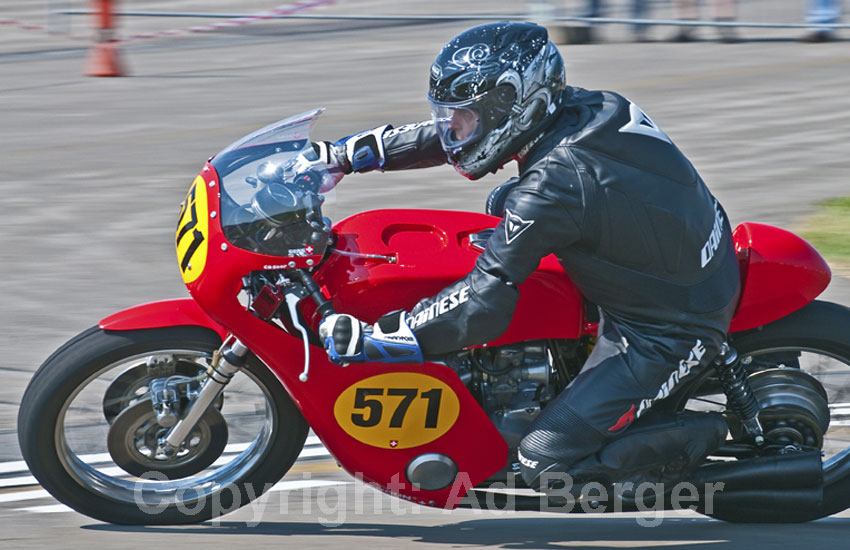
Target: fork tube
(231, 361)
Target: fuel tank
(386, 260)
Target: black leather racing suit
(638, 232)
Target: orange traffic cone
(102, 58)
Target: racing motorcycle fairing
(780, 273)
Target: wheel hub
(793, 406)
(133, 443)
(133, 385)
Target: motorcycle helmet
(493, 89)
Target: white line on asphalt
(19, 466)
(49, 509)
(304, 484)
(293, 485)
(314, 452)
(13, 467)
(307, 452)
(18, 481)
(25, 495)
(313, 448)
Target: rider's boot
(660, 448)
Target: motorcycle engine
(512, 383)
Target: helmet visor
(456, 125)
(466, 122)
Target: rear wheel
(804, 411)
(88, 432)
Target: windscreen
(268, 206)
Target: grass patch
(829, 229)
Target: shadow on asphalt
(526, 532)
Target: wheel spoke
(830, 373)
(116, 388)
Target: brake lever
(294, 294)
(292, 300)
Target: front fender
(164, 313)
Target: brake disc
(134, 436)
(133, 384)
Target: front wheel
(816, 341)
(88, 432)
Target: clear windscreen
(269, 203)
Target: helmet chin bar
(475, 162)
(504, 143)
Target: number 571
(367, 398)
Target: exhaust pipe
(774, 489)
(781, 488)
(792, 471)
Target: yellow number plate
(397, 410)
(192, 232)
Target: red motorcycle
(166, 412)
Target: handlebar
(325, 308)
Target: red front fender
(164, 313)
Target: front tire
(62, 430)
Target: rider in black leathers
(626, 214)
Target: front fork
(229, 359)
(225, 365)
(739, 395)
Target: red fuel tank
(420, 252)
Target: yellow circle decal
(192, 232)
(397, 410)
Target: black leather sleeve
(478, 308)
(412, 146)
(537, 221)
(474, 310)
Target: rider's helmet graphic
(493, 89)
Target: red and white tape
(229, 23)
(287, 9)
(20, 25)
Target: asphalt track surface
(93, 171)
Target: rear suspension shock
(739, 395)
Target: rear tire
(820, 328)
(47, 451)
